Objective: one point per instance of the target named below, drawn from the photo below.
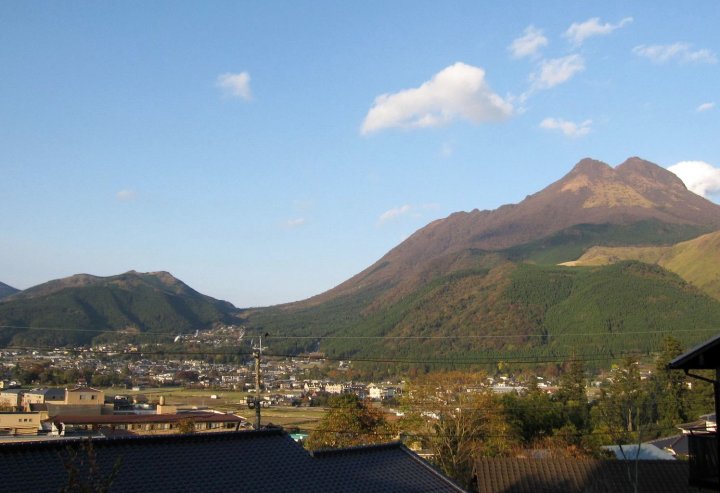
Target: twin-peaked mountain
(602, 262)
(490, 280)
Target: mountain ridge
(7, 290)
(79, 307)
(591, 193)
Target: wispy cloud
(678, 52)
(456, 92)
(295, 223)
(568, 128)
(580, 31)
(528, 44)
(396, 213)
(699, 177)
(555, 71)
(235, 85)
(705, 107)
(125, 195)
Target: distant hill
(6, 290)
(697, 261)
(452, 287)
(82, 306)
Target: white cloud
(413, 211)
(680, 52)
(125, 195)
(394, 213)
(568, 128)
(580, 31)
(529, 43)
(294, 223)
(699, 177)
(705, 107)
(556, 71)
(456, 92)
(236, 85)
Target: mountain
(634, 196)
(6, 290)
(697, 261)
(455, 280)
(78, 308)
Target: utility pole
(257, 354)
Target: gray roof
(264, 460)
(512, 475)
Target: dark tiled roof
(265, 460)
(510, 475)
(703, 356)
(387, 467)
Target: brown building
(147, 424)
(19, 423)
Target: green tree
(572, 394)
(348, 422)
(669, 387)
(618, 411)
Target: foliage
(75, 313)
(509, 312)
(84, 472)
(186, 426)
(571, 243)
(349, 422)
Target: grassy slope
(697, 261)
(570, 244)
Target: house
(11, 398)
(19, 423)
(145, 424)
(569, 475)
(262, 460)
(703, 443)
(43, 396)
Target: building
(43, 396)
(11, 398)
(145, 424)
(703, 443)
(264, 460)
(568, 475)
(19, 423)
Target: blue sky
(264, 152)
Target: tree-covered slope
(75, 310)
(511, 310)
(6, 290)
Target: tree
(572, 395)
(457, 425)
(84, 473)
(618, 411)
(669, 387)
(349, 422)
